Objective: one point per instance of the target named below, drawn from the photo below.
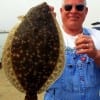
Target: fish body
(33, 56)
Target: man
(80, 79)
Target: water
(3, 36)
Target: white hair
(85, 2)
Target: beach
(8, 91)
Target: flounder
(33, 54)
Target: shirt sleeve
(95, 34)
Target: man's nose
(73, 9)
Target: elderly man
(80, 79)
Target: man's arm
(97, 57)
(85, 45)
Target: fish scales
(34, 65)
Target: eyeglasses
(79, 7)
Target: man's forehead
(74, 1)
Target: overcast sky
(11, 9)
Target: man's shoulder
(92, 31)
(95, 34)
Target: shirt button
(70, 66)
(82, 78)
(83, 59)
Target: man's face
(73, 13)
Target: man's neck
(73, 31)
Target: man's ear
(86, 10)
(60, 10)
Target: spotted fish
(33, 54)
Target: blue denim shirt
(80, 79)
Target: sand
(8, 91)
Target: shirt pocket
(92, 78)
(49, 95)
(57, 94)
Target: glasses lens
(68, 7)
(80, 7)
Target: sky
(11, 9)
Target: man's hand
(52, 10)
(85, 45)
